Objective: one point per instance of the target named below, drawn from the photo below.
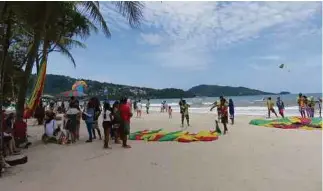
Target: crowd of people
(62, 124)
(305, 104)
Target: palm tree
(42, 17)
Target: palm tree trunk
(23, 83)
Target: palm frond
(70, 43)
(66, 53)
(92, 8)
(132, 10)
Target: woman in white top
(139, 108)
(107, 124)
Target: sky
(184, 44)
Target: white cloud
(195, 29)
(152, 39)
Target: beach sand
(247, 158)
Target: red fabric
(125, 112)
(208, 138)
(20, 129)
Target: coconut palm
(43, 17)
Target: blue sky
(183, 44)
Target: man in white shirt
(139, 108)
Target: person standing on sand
(281, 106)
(319, 101)
(89, 119)
(139, 108)
(124, 129)
(114, 133)
(147, 106)
(170, 111)
(107, 123)
(301, 105)
(224, 114)
(231, 111)
(270, 107)
(185, 113)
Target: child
(280, 105)
(170, 112)
(270, 106)
(231, 111)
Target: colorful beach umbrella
(71, 93)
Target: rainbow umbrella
(71, 93)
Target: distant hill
(57, 83)
(284, 93)
(216, 91)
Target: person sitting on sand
(50, 127)
(231, 111)
(20, 133)
(124, 129)
(270, 107)
(185, 113)
(281, 107)
(170, 111)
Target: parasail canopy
(79, 86)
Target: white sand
(248, 158)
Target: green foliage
(57, 83)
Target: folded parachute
(180, 136)
(290, 123)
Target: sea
(244, 105)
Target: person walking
(270, 107)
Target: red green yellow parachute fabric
(180, 136)
(290, 123)
(37, 92)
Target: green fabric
(170, 136)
